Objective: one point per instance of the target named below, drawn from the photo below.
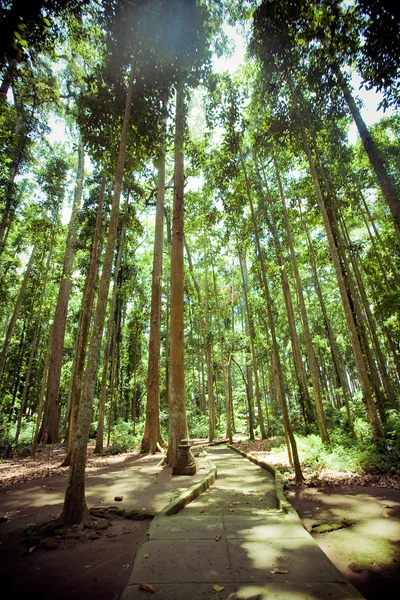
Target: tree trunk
(152, 438)
(312, 361)
(75, 509)
(358, 357)
(84, 326)
(250, 323)
(15, 315)
(176, 401)
(385, 182)
(337, 362)
(49, 433)
(35, 339)
(208, 350)
(107, 351)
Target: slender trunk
(15, 315)
(75, 508)
(49, 432)
(358, 357)
(176, 401)
(250, 323)
(224, 365)
(8, 78)
(107, 352)
(35, 339)
(40, 401)
(152, 438)
(249, 399)
(208, 350)
(312, 361)
(84, 326)
(385, 182)
(337, 362)
(290, 439)
(372, 325)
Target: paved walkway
(233, 543)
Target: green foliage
(122, 438)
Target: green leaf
(218, 588)
(46, 22)
(23, 43)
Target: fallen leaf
(279, 572)
(218, 537)
(147, 587)
(235, 503)
(87, 566)
(147, 555)
(125, 566)
(231, 510)
(32, 549)
(218, 588)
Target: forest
(188, 251)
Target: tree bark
(385, 182)
(35, 339)
(49, 433)
(15, 315)
(176, 401)
(75, 508)
(358, 357)
(312, 361)
(107, 350)
(84, 325)
(152, 439)
(250, 325)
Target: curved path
(234, 543)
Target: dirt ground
(97, 562)
(87, 563)
(367, 547)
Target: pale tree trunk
(49, 433)
(167, 216)
(249, 397)
(225, 365)
(385, 182)
(378, 241)
(337, 362)
(75, 509)
(84, 326)
(32, 354)
(203, 330)
(357, 351)
(301, 375)
(20, 138)
(107, 352)
(152, 439)
(290, 439)
(208, 350)
(40, 400)
(387, 385)
(15, 315)
(176, 401)
(250, 323)
(312, 361)
(8, 78)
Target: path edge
(283, 504)
(190, 494)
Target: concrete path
(234, 543)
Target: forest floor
(97, 562)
